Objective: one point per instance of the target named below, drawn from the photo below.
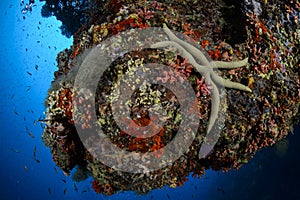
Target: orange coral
(125, 24)
(215, 54)
(153, 143)
(76, 52)
(205, 43)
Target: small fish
(168, 196)
(34, 152)
(15, 150)
(25, 168)
(38, 56)
(35, 122)
(16, 113)
(36, 67)
(63, 180)
(38, 41)
(65, 191)
(55, 169)
(40, 23)
(31, 135)
(28, 88)
(37, 160)
(83, 191)
(75, 187)
(38, 27)
(30, 74)
(12, 96)
(26, 49)
(40, 119)
(49, 190)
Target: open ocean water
(28, 51)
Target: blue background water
(267, 176)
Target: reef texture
(270, 32)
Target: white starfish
(206, 68)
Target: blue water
(267, 176)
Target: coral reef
(255, 119)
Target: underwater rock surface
(268, 35)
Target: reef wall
(265, 33)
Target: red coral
(202, 87)
(182, 69)
(144, 13)
(96, 186)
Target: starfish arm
(229, 84)
(229, 65)
(185, 54)
(211, 137)
(180, 48)
(190, 48)
(215, 104)
(238, 86)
